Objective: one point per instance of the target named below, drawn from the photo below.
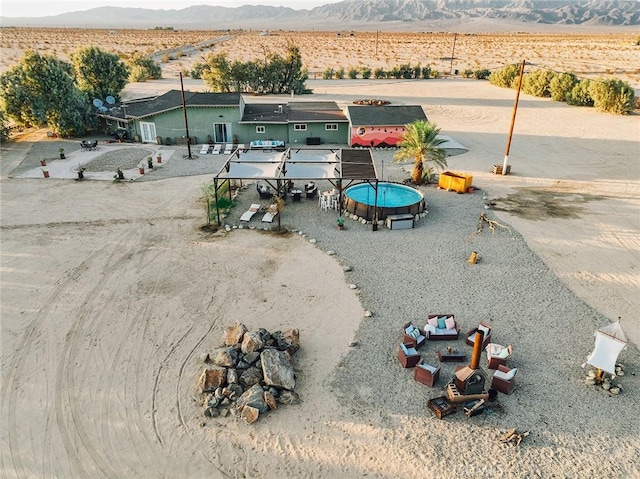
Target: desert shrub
(637, 40)
(143, 68)
(4, 127)
(467, 73)
(481, 74)
(435, 74)
(426, 73)
(612, 96)
(416, 71)
(379, 73)
(366, 73)
(165, 58)
(196, 71)
(561, 85)
(506, 77)
(353, 73)
(339, 73)
(405, 71)
(537, 83)
(579, 94)
(327, 74)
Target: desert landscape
(587, 54)
(112, 293)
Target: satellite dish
(97, 103)
(110, 100)
(102, 109)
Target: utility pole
(513, 119)
(453, 53)
(377, 33)
(186, 124)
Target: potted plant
(141, 169)
(159, 157)
(43, 162)
(150, 162)
(340, 222)
(119, 175)
(45, 173)
(61, 150)
(81, 172)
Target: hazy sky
(43, 8)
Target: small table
(297, 194)
(451, 356)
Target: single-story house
(380, 126)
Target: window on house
(260, 129)
(300, 127)
(331, 126)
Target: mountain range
(356, 15)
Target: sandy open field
(111, 293)
(589, 54)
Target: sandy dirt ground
(111, 292)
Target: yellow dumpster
(459, 182)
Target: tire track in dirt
(10, 385)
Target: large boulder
(251, 342)
(277, 370)
(249, 414)
(227, 357)
(288, 340)
(249, 377)
(212, 378)
(253, 397)
(233, 334)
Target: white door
(148, 132)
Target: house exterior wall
(272, 131)
(318, 130)
(171, 124)
(375, 136)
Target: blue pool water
(390, 195)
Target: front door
(148, 132)
(222, 132)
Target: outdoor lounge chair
(228, 149)
(413, 336)
(216, 149)
(497, 355)
(426, 374)
(270, 214)
(247, 215)
(486, 329)
(408, 356)
(503, 379)
(204, 150)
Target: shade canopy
(610, 341)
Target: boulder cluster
(613, 388)
(251, 373)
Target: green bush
(435, 74)
(379, 73)
(467, 73)
(366, 73)
(506, 77)
(339, 73)
(353, 73)
(482, 74)
(561, 85)
(197, 70)
(537, 83)
(4, 127)
(579, 94)
(612, 96)
(426, 73)
(327, 74)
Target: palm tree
(420, 143)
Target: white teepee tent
(610, 341)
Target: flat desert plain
(112, 292)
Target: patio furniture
(503, 379)
(216, 149)
(426, 374)
(441, 327)
(413, 336)
(86, 145)
(247, 215)
(408, 356)
(204, 149)
(311, 189)
(263, 190)
(486, 329)
(497, 355)
(271, 213)
(228, 149)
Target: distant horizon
(37, 8)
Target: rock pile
(251, 373)
(613, 388)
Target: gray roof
(171, 100)
(387, 115)
(294, 112)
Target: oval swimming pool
(393, 199)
